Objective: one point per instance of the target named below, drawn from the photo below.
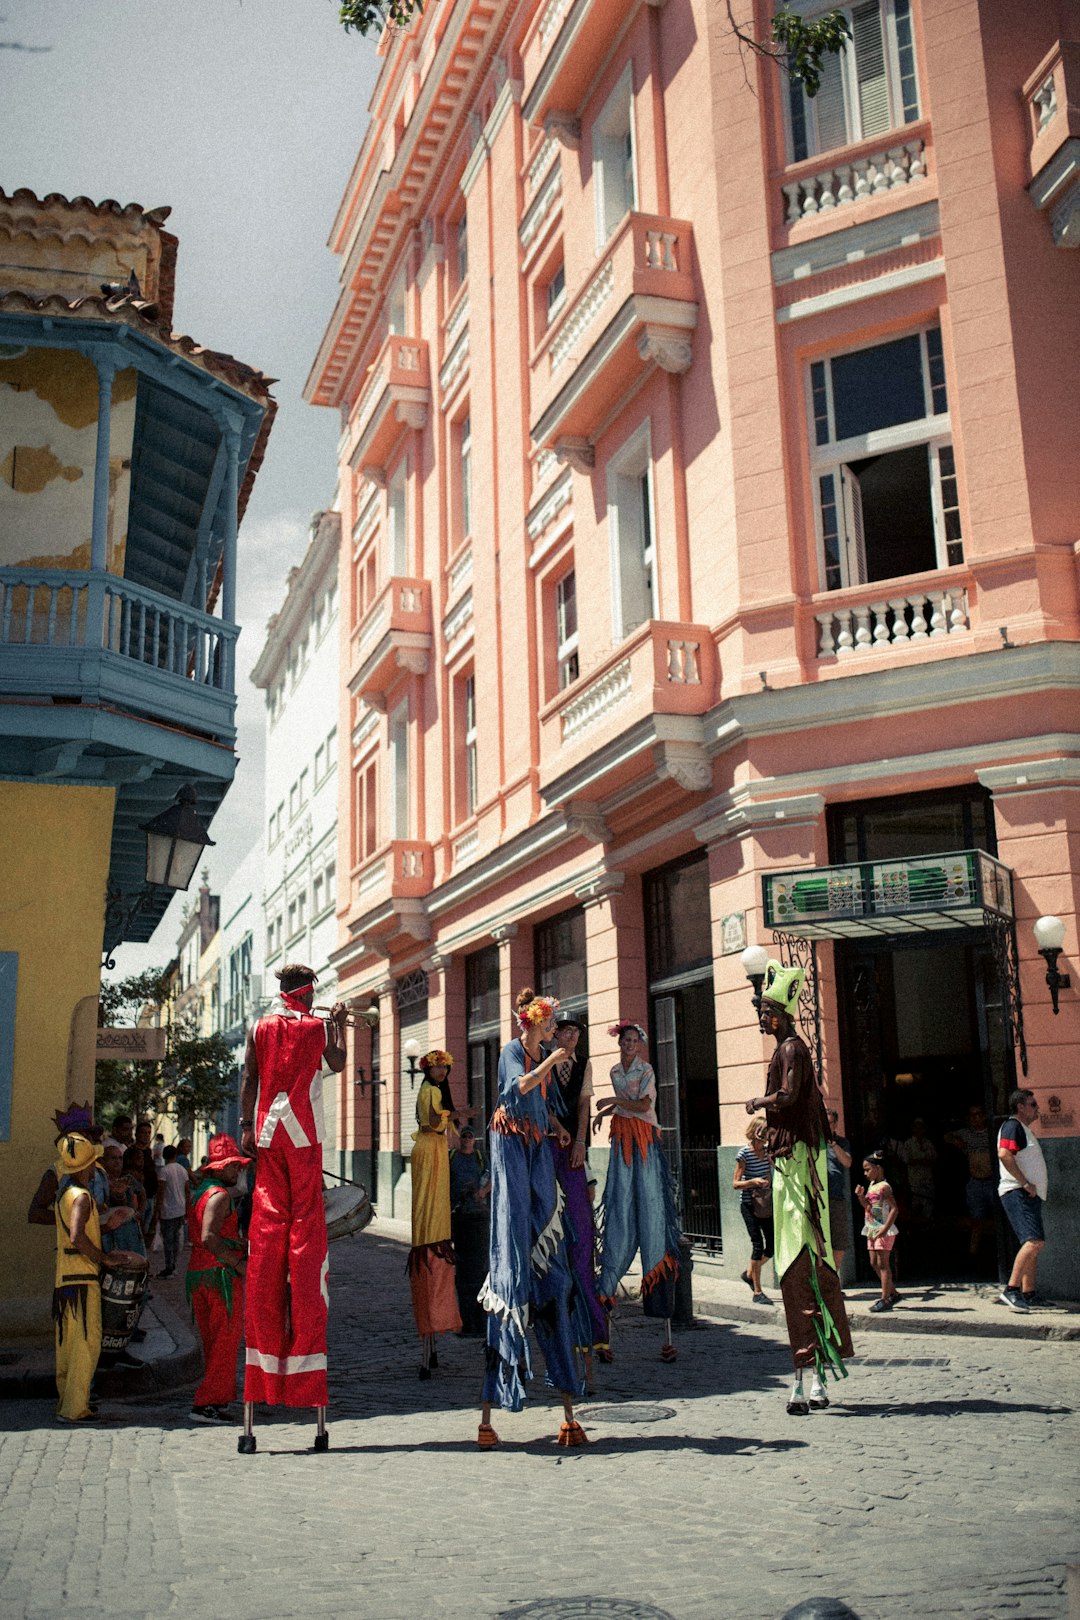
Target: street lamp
(175, 841)
(755, 959)
(1049, 938)
(411, 1049)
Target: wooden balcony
(396, 396)
(393, 638)
(642, 703)
(561, 53)
(638, 306)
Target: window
(317, 900)
(560, 957)
(613, 159)
(303, 785)
(331, 750)
(292, 919)
(399, 772)
(331, 883)
(884, 471)
(566, 636)
(869, 88)
(320, 762)
(461, 249)
(396, 313)
(366, 822)
(301, 909)
(465, 475)
(468, 732)
(630, 526)
(294, 801)
(556, 293)
(398, 523)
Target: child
(880, 1209)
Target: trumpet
(354, 1019)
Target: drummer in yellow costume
(431, 1258)
(79, 1263)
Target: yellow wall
(52, 889)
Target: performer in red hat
(287, 1297)
(215, 1287)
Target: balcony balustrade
(394, 637)
(70, 633)
(561, 53)
(875, 621)
(1052, 97)
(855, 174)
(396, 396)
(639, 305)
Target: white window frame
(469, 743)
(397, 307)
(554, 300)
(614, 147)
(846, 64)
(331, 883)
(631, 498)
(832, 458)
(398, 806)
(397, 522)
(566, 642)
(465, 474)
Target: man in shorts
(1022, 1190)
(973, 1141)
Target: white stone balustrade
(1045, 102)
(893, 622)
(684, 662)
(597, 700)
(845, 183)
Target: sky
(245, 116)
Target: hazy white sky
(245, 116)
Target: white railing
(593, 301)
(461, 570)
(466, 846)
(1045, 102)
(552, 19)
(895, 622)
(684, 663)
(372, 626)
(373, 878)
(660, 250)
(58, 608)
(597, 700)
(847, 183)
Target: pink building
(709, 565)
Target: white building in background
(243, 994)
(298, 669)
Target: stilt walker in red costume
(287, 1298)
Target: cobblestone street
(943, 1481)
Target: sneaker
(1014, 1299)
(880, 1305)
(1034, 1300)
(209, 1414)
(762, 1299)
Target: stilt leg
(246, 1443)
(668, 1351)
(425, 1356)
(486, 1437)
(322, 1439)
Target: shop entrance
(923, 1044)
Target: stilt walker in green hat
(797, 1131)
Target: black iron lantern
(175, 841)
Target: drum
(348, 1209)
(122, 1290)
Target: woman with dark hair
(431, 1258)
(529, 1275)
(569, 1101)
(639, 1206)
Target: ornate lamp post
(754, 962)
(1049, 938)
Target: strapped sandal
(486, 1438)
(604, 1353)
(572, 1434)
(668, 1352)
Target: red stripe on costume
(627, 1133)
(506, 1125)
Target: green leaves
(372, 16)
(197, 1078)
(800, 45)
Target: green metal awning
(922, 895)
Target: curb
(182, 1365)
(897, 1322)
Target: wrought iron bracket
(120, 912)
(798, 952)
(1001, 932)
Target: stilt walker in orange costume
(215, 1285)
(287, 1298)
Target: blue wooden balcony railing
(94, 635)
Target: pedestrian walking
(880, 1209)
(287, 1296)
(529, 1275)
(431, 1258)
(639, 1205)
(753, 1181)
(1022, 1188)
(797, 1131)
(175, 1200)
(215, 1285)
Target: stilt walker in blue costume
(529, 1277)
(797, 1131)
(639, 1205)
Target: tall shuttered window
(867, 89)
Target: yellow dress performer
(431, 1258)
(77, 1293)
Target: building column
(615, 965)
(516, 970)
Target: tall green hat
(781, 986)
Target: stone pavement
(941, 1482)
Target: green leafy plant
(372, 16)
(194, 1081)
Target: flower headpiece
(435, 1058)
(618, 1030)
(537, 1011)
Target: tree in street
(194, 1081)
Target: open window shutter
(853, 525)
(829, 112)
(868, 44)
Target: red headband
(291, 998)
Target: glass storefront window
(678, 927)
(482, 990)
(560, 959)
(912, 825)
